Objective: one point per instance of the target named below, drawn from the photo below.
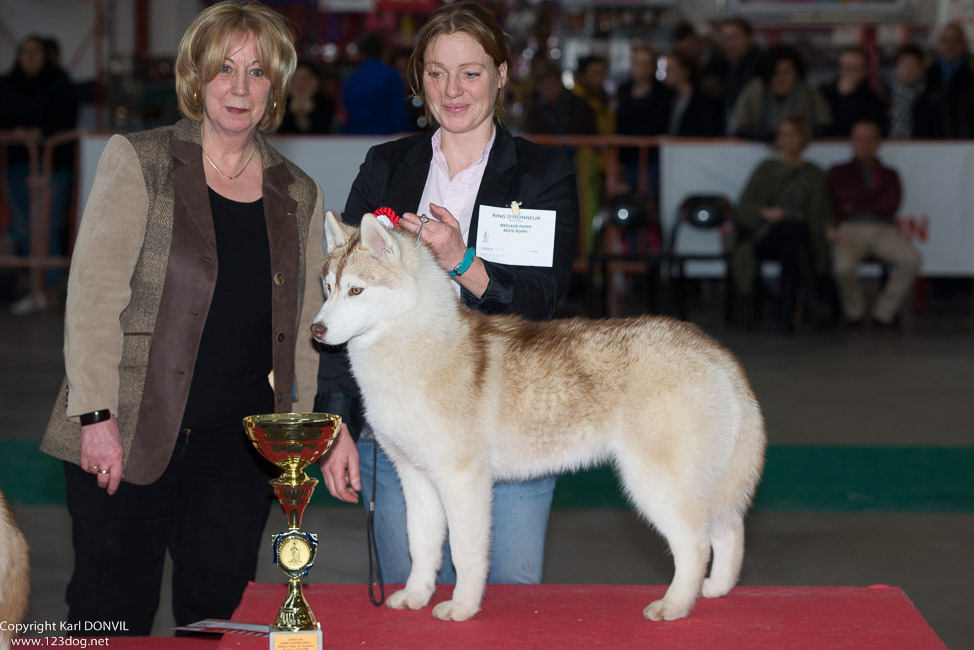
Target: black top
(235, 351)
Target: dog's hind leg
(426, 530)
(679, 520)
(727, 539)
(467, 497)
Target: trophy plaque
(292, 441)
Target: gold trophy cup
(292, 441)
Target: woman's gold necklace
(225, 175)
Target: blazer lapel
(191, 196)
(499, 176)
(409, 179)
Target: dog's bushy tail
(727, 527)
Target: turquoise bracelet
(465, 263)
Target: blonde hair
(208, 41)
(473, 20)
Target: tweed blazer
(142, 276)
(394, 175)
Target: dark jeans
(208, 509)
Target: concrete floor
(909, 388)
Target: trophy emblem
(292, 441)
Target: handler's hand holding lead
(101, 453)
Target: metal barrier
(40, 160)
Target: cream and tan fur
(14, 573)
(459, 399)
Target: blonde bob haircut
(208, 42)
(473, 20)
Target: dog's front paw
(664, 610)
(454, 610)
(406, 599)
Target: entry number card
(518, 237)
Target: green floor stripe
(898, 479)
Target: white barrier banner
(936, 212)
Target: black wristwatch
(95, 417)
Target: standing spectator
(779, 90)
(642, 108)
(556, 110)
(590, 164)
(590, 85)
(950, 84)
(742, 56)
(37, 100)
(373, 96)
(784, 215)
(850, 98)
(865, 197)
(308, 110)
(692, 112)
(706, 56)
(906, 92)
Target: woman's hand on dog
(340, 468)
(101, 449)
(442, 233)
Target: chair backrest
(703, 212)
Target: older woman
(785, 215)
(439, 183)
(191, 290)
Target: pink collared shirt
(459, 194)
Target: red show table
(587, 616)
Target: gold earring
(196, 97)
(274, 107)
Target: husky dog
(14, 573)
(459, 399)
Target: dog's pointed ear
(378, 240)
(336, 233)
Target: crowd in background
(724, 84)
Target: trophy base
(302, 640)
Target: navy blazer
(394, 175)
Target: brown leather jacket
(142, 276)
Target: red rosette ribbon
(389, 213)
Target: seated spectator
(642, 108)
(906, 91)
(950, 89)
(590, 85)
(779, 90)
(373, 97)
(308, 109)
(850, 98)
(693, 112)
(865, 197)
(707, 58)
(783, 215)
(742, 55)
(554, 109)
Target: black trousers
(208, 510)
(789, 244)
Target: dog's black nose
(318, 331)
